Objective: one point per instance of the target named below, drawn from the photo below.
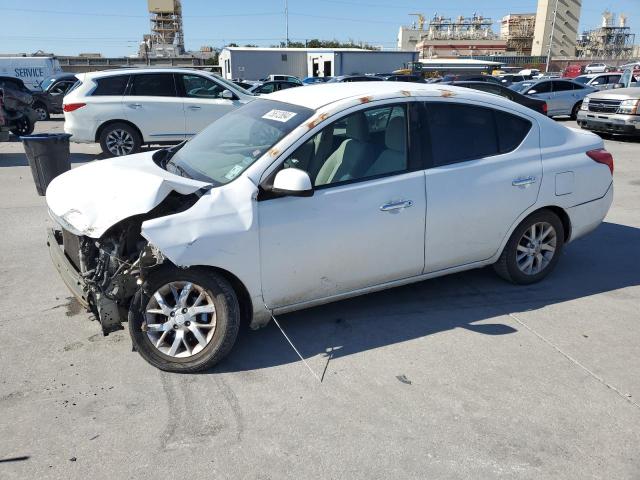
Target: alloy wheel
(180, 319)
(536, 248)
(119, 142)
(42, 113)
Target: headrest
(357, 127)
(395, 138)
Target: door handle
(135, 105)
(194, 107)
(396, 205)
(523, 181)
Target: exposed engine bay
(111, 268)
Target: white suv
(124, 109)
(596, 68)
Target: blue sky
(115, 27)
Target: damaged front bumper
(106, 310)
(66, 269)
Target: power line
(122, 15)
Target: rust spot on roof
(322, 117)
(274, 152)
(446, 93)
(406, 93)
(366, 99)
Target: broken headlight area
(110, 269)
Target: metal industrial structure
(462, 28)
(609, 40)
(517, 29)
(167, 36)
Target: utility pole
(286, 19)
(553, 28)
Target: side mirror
(227, 95)
(292, 182)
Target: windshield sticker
(233, 173)
(279, 115)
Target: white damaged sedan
(316, 194)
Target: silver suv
(612, 111)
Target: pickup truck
(611, 111)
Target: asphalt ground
(464, 376)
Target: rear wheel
(42, 111)
(576, 109)
(184, 320)
(118, 139)
(533, 249)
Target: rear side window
(464, 132)
(153, 85)
(111, 85)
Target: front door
(203, 102)
(542, 91)
(363, 226)
(151, 103)
(485, 172)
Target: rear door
(485, 171)
(542, 91)
(152, 104)
(203, 102)
(565, 96)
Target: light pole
(553, 28)
(286, 20)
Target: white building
(254, 63)
(565, 27)
(408, 38)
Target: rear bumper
(70, 276)
(80, 133)
(609, 122)
(586, 217)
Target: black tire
(227, 315)
(507, 265)
(576, 109)
(23, 126)
(42, 111)
(131, 140)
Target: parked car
(297, 199)
(612, 111)
(30, 70)
(246, 84)
(529, 72)
(124, 109)
(572, 71)
(510, 78)
(634, 67)
(282, 78)
(405, 78)
(596, 68)
(470, 78)
(313, 80)
(19, 116)
(355, 78)
(52, 90)
(261, 88)
(563, 97)
(539, 106)
(599, 81)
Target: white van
(31, 70)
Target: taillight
(545, 108)
(602, 156)
(70, 107)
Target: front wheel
(576, 109)
(42, 111)
(184, 320)
(119, 139)
(533, 249)
(23, 126)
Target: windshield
(228, 146)
(46, 82)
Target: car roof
(319, 95)
(135, 70)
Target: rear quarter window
(110, 85)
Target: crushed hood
(88, 200)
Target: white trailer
(31, 70)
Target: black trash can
(48, 155)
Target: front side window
(542, 87)
(153, 85)
(361, 145)
(111, 85)
(196, 86)
(231, 144)
(459, 132)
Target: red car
(572, 71)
